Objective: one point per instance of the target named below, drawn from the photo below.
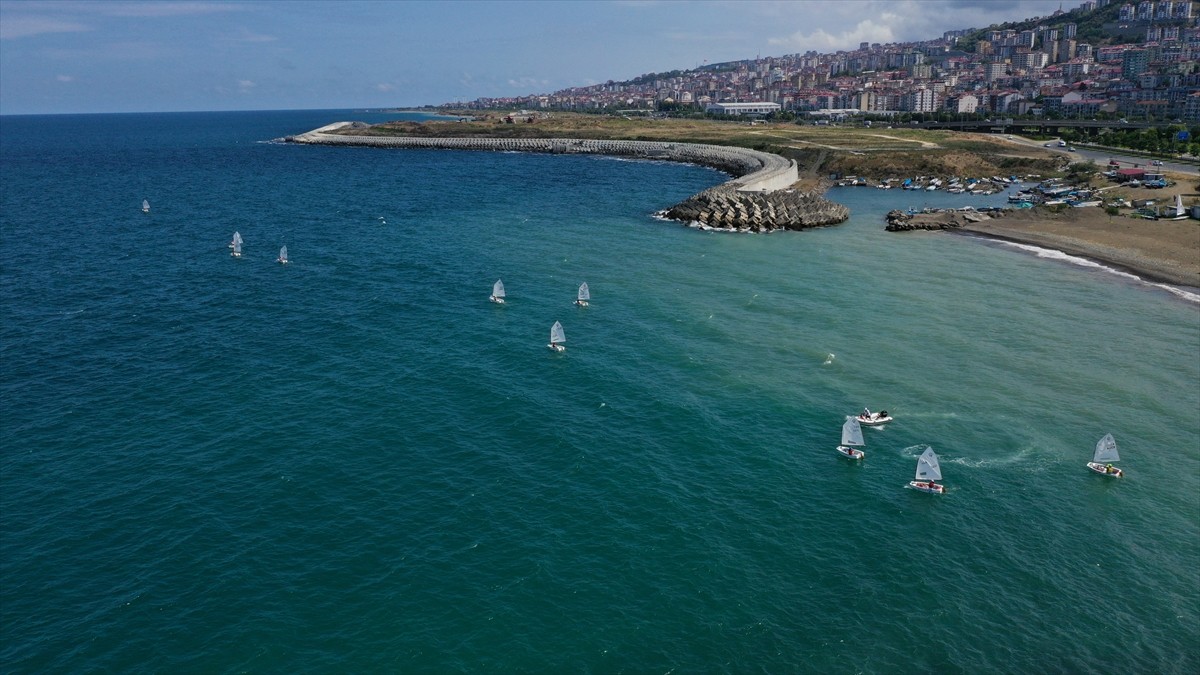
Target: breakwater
(938, 219)
(759, 197)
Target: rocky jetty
(947, 219)
(760, 197)
(725, 208)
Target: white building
(756, 108)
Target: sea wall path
(759, 198)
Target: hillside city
(1103, 60)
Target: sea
(357, 463)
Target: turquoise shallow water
(357, 463)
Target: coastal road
(1101, 157)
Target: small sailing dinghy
(584, 295)
(851, 436)
(1105, 455)
(283, 259)
(557, 337)
(928, 473)
(237, 249)
(145, 206)
(872, 419)
(236, 241)
(497, 292)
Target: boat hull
(581, 303)
(556, 348)
(498, 301)
(1102, 469)
(931, 488)
(850, 453)
(874, 420)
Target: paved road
(1101, 157)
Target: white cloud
(528, 82)
(245, 86)
(384, 86)
(244, 34)
(821, 40)
(27, 26)
(65, 78)
(153, 9)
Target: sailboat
(497, 292)
(851, 436)
(283, 259)
(1179, 213)
(557, 337)
(145, 206)
(237, 249)
(1105, 455)
(584, 295)
(928, 472)
(236, 241)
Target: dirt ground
(1159, 250)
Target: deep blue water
(355, 463)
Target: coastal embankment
(761, 196)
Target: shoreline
(762, 195)
(1170, 254)
(757, 199)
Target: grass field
(876, 151)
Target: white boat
(283, 259)
(1104, 456)
(237, 249)
(928, 473)
(497, 292)
(851, 436)
(584, 295)
(873, 419)
(557, 337)
(236, 241)
(145, 206)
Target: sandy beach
(1157, 250)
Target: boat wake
(1051, 254)
(1022, 456)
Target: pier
(759, 198)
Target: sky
(68, 56)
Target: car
(1157, 162)
(1070, 149)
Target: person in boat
(866, 413)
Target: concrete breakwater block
(903, 221)
(723, 207)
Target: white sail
(584, 294)
(498, 289)
(1106, 450)
(852, 432)
(146, 205)
(236, 241)
(556, 334)
(1179, 206)
(283, 254)
(927, 466)
(237, 248)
